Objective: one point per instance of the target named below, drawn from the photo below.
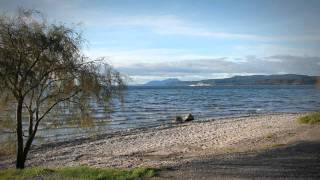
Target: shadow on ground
(297, 161)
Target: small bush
(312, 118)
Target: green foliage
(43, 70)
(6, 122)
(81, 172)
(42, 64)
(312, 118)
(8, 146)
(24, 174)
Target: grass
(82, 172)
(277, 145)
(270, 136)
(312, 118)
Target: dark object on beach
(189, 118)
(178, 119)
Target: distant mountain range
(286, 79)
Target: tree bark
(30, 122)
(27, 147)
(20, 155)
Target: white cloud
(124, 57)
(173, 25)
(223, 67)
(128, 57)
(267, 49)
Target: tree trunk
(28, 145)
(20, 155)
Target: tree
(42, 69)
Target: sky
(192, 40)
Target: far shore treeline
(284, 79)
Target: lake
(145, 106)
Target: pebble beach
(173, 144)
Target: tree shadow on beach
(300, 160)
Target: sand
(172, 145)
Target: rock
(178, 119)
(189, 117)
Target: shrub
(312, 118)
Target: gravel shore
(175, 144)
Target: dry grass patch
(312, 118)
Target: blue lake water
(153, 106)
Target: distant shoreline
(229, 85)
(276, 79)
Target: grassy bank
(86, 173)
(312, 118)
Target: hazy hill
(166, 82)
(286, 79)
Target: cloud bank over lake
(224, 67)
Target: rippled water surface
(152, 106)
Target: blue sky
(193, 39)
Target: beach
(175, 144)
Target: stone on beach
(178, 119)
(189, 117)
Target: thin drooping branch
(41, 66)
(57, 102)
